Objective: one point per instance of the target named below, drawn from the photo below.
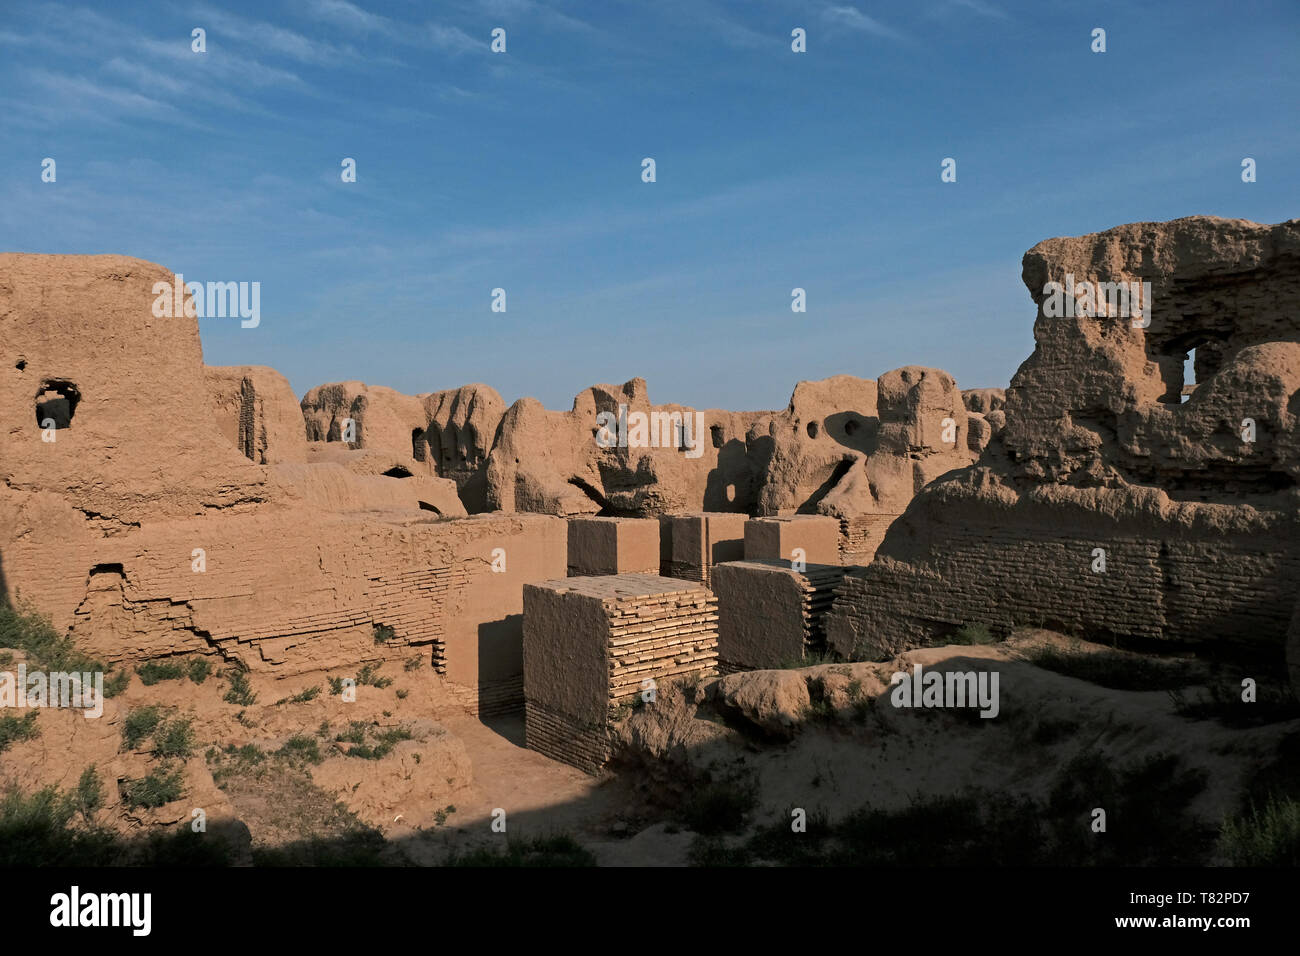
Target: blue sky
(522, 171)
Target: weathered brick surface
(1198, 515)
(590, 643)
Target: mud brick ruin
(154, 506)
(696, 542)
(1192, 493)
(613, 546)
(771, 615)
(793, 537)
(591, 643)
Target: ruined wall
(143, 525)
(78, 334)
(258, 413)
(551, 461)
(1100, 450)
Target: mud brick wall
(613, 546)
(1028, 568)
(860, 536)
(701, 540)
(770, 615)
(589, 642)
(660, 634)
(289, 590)
(776, 538)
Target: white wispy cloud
(273, 39)
(351, 17)
(855, 19)
(980, 7)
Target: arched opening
(418, 444)
(56, 403)
(397, 471)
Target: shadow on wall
(500, 658)
(858, 432)
(731, 486)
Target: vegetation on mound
(14, 729)
(196, 669)
(369, 742)
(367, 676)
(1118, 670)
(239, 691)
(163, 785)
(1266, 829)
(548, 851)
(297, 823)
(971, 634)
(302, 697)
(172, 737)
(53, 828)
(1147, 822)
(719, 801)
(26, 629)
(1221, 700)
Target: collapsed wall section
(1112, 501)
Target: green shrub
(139, 724)
(972, 634)
(311, 693)
(14, 729)
(199, 669)
(1118, 670)
(384, 634)
(720, 805)
(366, 676)
(174, 738)
(89, 795)
(26, 629)
(36, 830)
(116, 683)
(160, 787)
(383, 741)
(240, 692)
(301, 747)
(151, 672)
(1268, 837)
(550, 851)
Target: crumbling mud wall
(1116, 500)
(553, 462)
(156, 507)
(446, 434)
(257, 413)
(848, 448)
